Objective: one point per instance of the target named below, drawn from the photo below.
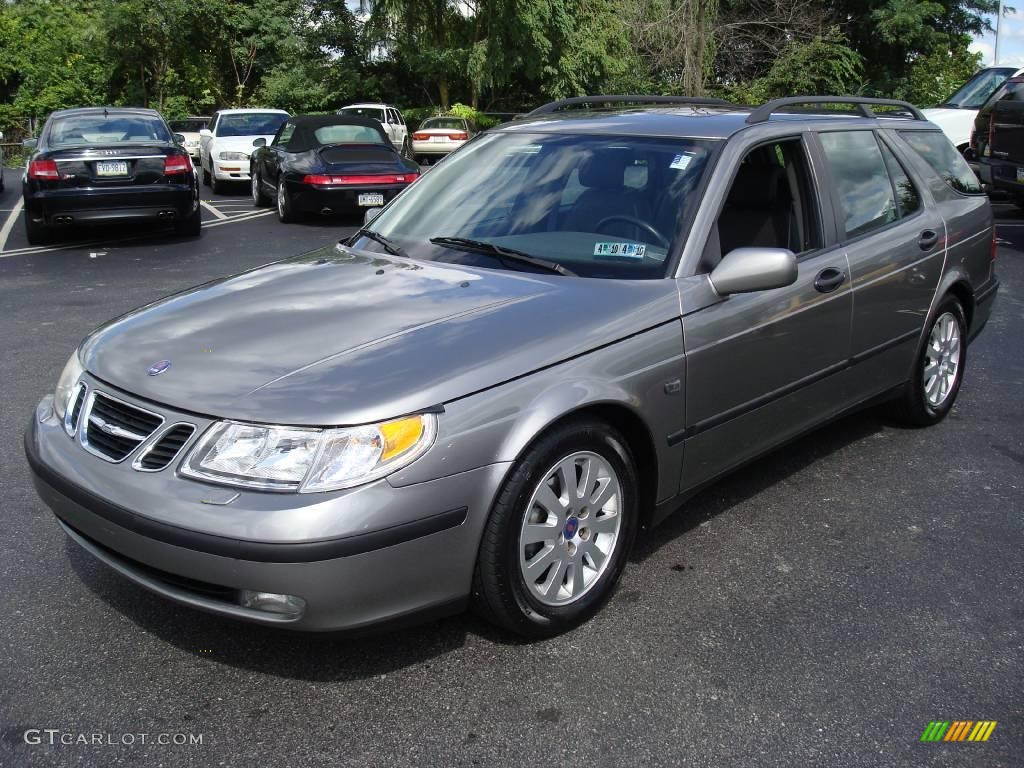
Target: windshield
(78, 130)
(451, 123)
(250, 124)
(976, 91)
(188, 126)
(601, 206)
(374, 112)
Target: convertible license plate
(1020, 175)
(371, 199)
(112, 168)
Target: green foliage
(935, 77)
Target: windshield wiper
(389, 246)
(501, 252)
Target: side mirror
(180, 138)
(370, 215)
(259, 142)
(745, 270)
(206, 132)
(30, 143)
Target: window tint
(941, 155)
(861, 180)
(907, 198)
(374, 112)
(250, 123)
(108, 128)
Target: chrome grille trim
(73, 411)
(88, 420)
(154, 440)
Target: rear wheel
(938, 368)
(37, 233)
(559, 532)
(206, 173)
(284, 204)
(259, 197)
(190, 226)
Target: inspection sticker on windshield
(623, 250)
(681, 162)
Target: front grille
(163, 451)
(113, 428)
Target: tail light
(421, 137)
(45, 170)
(460, 136)
(176, 164)
(390, 178)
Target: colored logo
(159, 367)
(958, 730)
(571, 526)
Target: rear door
(895, 241)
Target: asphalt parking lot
(818, 607)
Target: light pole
(999, 19)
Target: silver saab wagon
(540, 347)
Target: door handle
(928, 239)
(829, 279)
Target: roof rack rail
(555, 106)
(863, 103)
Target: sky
(1011, 40)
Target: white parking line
(236, 219)
(212, 210)
(9, 224)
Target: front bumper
(164, 202)
(369, 555)
(231, 170)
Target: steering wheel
(636, 223)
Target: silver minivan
(539, 348)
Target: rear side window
(861, 180)
(940, 154)
(907, 197)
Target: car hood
(238, 143)
(347, 337)
(959, 121)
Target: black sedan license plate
(112, 168)
(371, 199)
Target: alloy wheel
(942, 359)
(570, 529)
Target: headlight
(308, 460)
(233, 156)
(73, 370)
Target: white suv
(225, 147)
(390, 118)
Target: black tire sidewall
(284, 212)
(526, 614)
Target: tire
(206, 173)
(260, 199)
(928, 397)
(284, 204)
(217, 187)
(406, 148)
(36, 233)
(191, 226)
(551, 601)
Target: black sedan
(328, 164)
(108, 164)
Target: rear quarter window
(936, 150)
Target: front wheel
(938, 368)
(206, 173)
(560, 531)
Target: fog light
(285, 605)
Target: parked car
(439, 136)
(100, 165)
(547, 343)
(328, 164)
(997, 150)
(225, 146)
(956, 115)
(389, 117)
(189, 128)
